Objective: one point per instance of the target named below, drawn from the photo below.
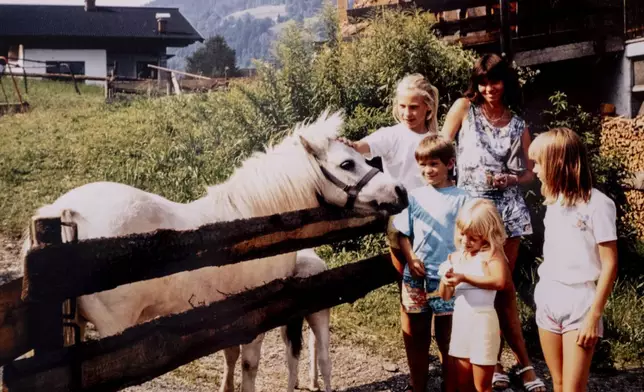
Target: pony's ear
(310, 147)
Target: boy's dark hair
(435, 147)
(494, 68)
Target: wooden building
(553, 34)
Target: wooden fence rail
(14, 337)
(61, 271)
(148, 350)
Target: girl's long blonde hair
(565, 171)
(480, 218)
(417, 84)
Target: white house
(91, 39)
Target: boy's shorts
(562, 308)
(416, 297)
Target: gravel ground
(355, 368)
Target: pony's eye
(348, 165)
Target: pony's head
(346, 179)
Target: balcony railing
(634, 11)
(533, 23)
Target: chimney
(90, 5)
(162, 22)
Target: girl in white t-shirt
(473, 274)
(579, 258)
(415, 109)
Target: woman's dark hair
(492, 67)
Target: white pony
(306, 169)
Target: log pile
(623, 139)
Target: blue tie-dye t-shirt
(429, 222)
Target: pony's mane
(284, 177)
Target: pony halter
(351, 190)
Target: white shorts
(562, 308)
(475, 335)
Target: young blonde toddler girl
(473, 274)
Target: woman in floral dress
(492, 162)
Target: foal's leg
(250, 362)
(291, 361)
(230, 359)
(319, 324)
(308, 263)
(313, 361)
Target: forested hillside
(249, 26)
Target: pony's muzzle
(401, 202)
(403, 198)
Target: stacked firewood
(623, 139)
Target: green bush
(358, 76)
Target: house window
(64, 67)
(145, 72)
(638, 72)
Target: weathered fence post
(71, 331)
(45, 318)
(52, 324)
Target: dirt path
(9, 266)
(355, 368)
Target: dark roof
(103, 22)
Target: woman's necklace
(501, 118)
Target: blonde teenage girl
(415, 107)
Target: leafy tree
(214, 59)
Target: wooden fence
(58, 268)
(634, 20)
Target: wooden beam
(449, 5)
(565, 52)
(367, 12)
(475, 23)
(476, 40)
(77, 77)
(61, 271)
(506, 39)
(69, 233)
(14, 337)
(180, 72)
(431, 5)
(149, 350)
